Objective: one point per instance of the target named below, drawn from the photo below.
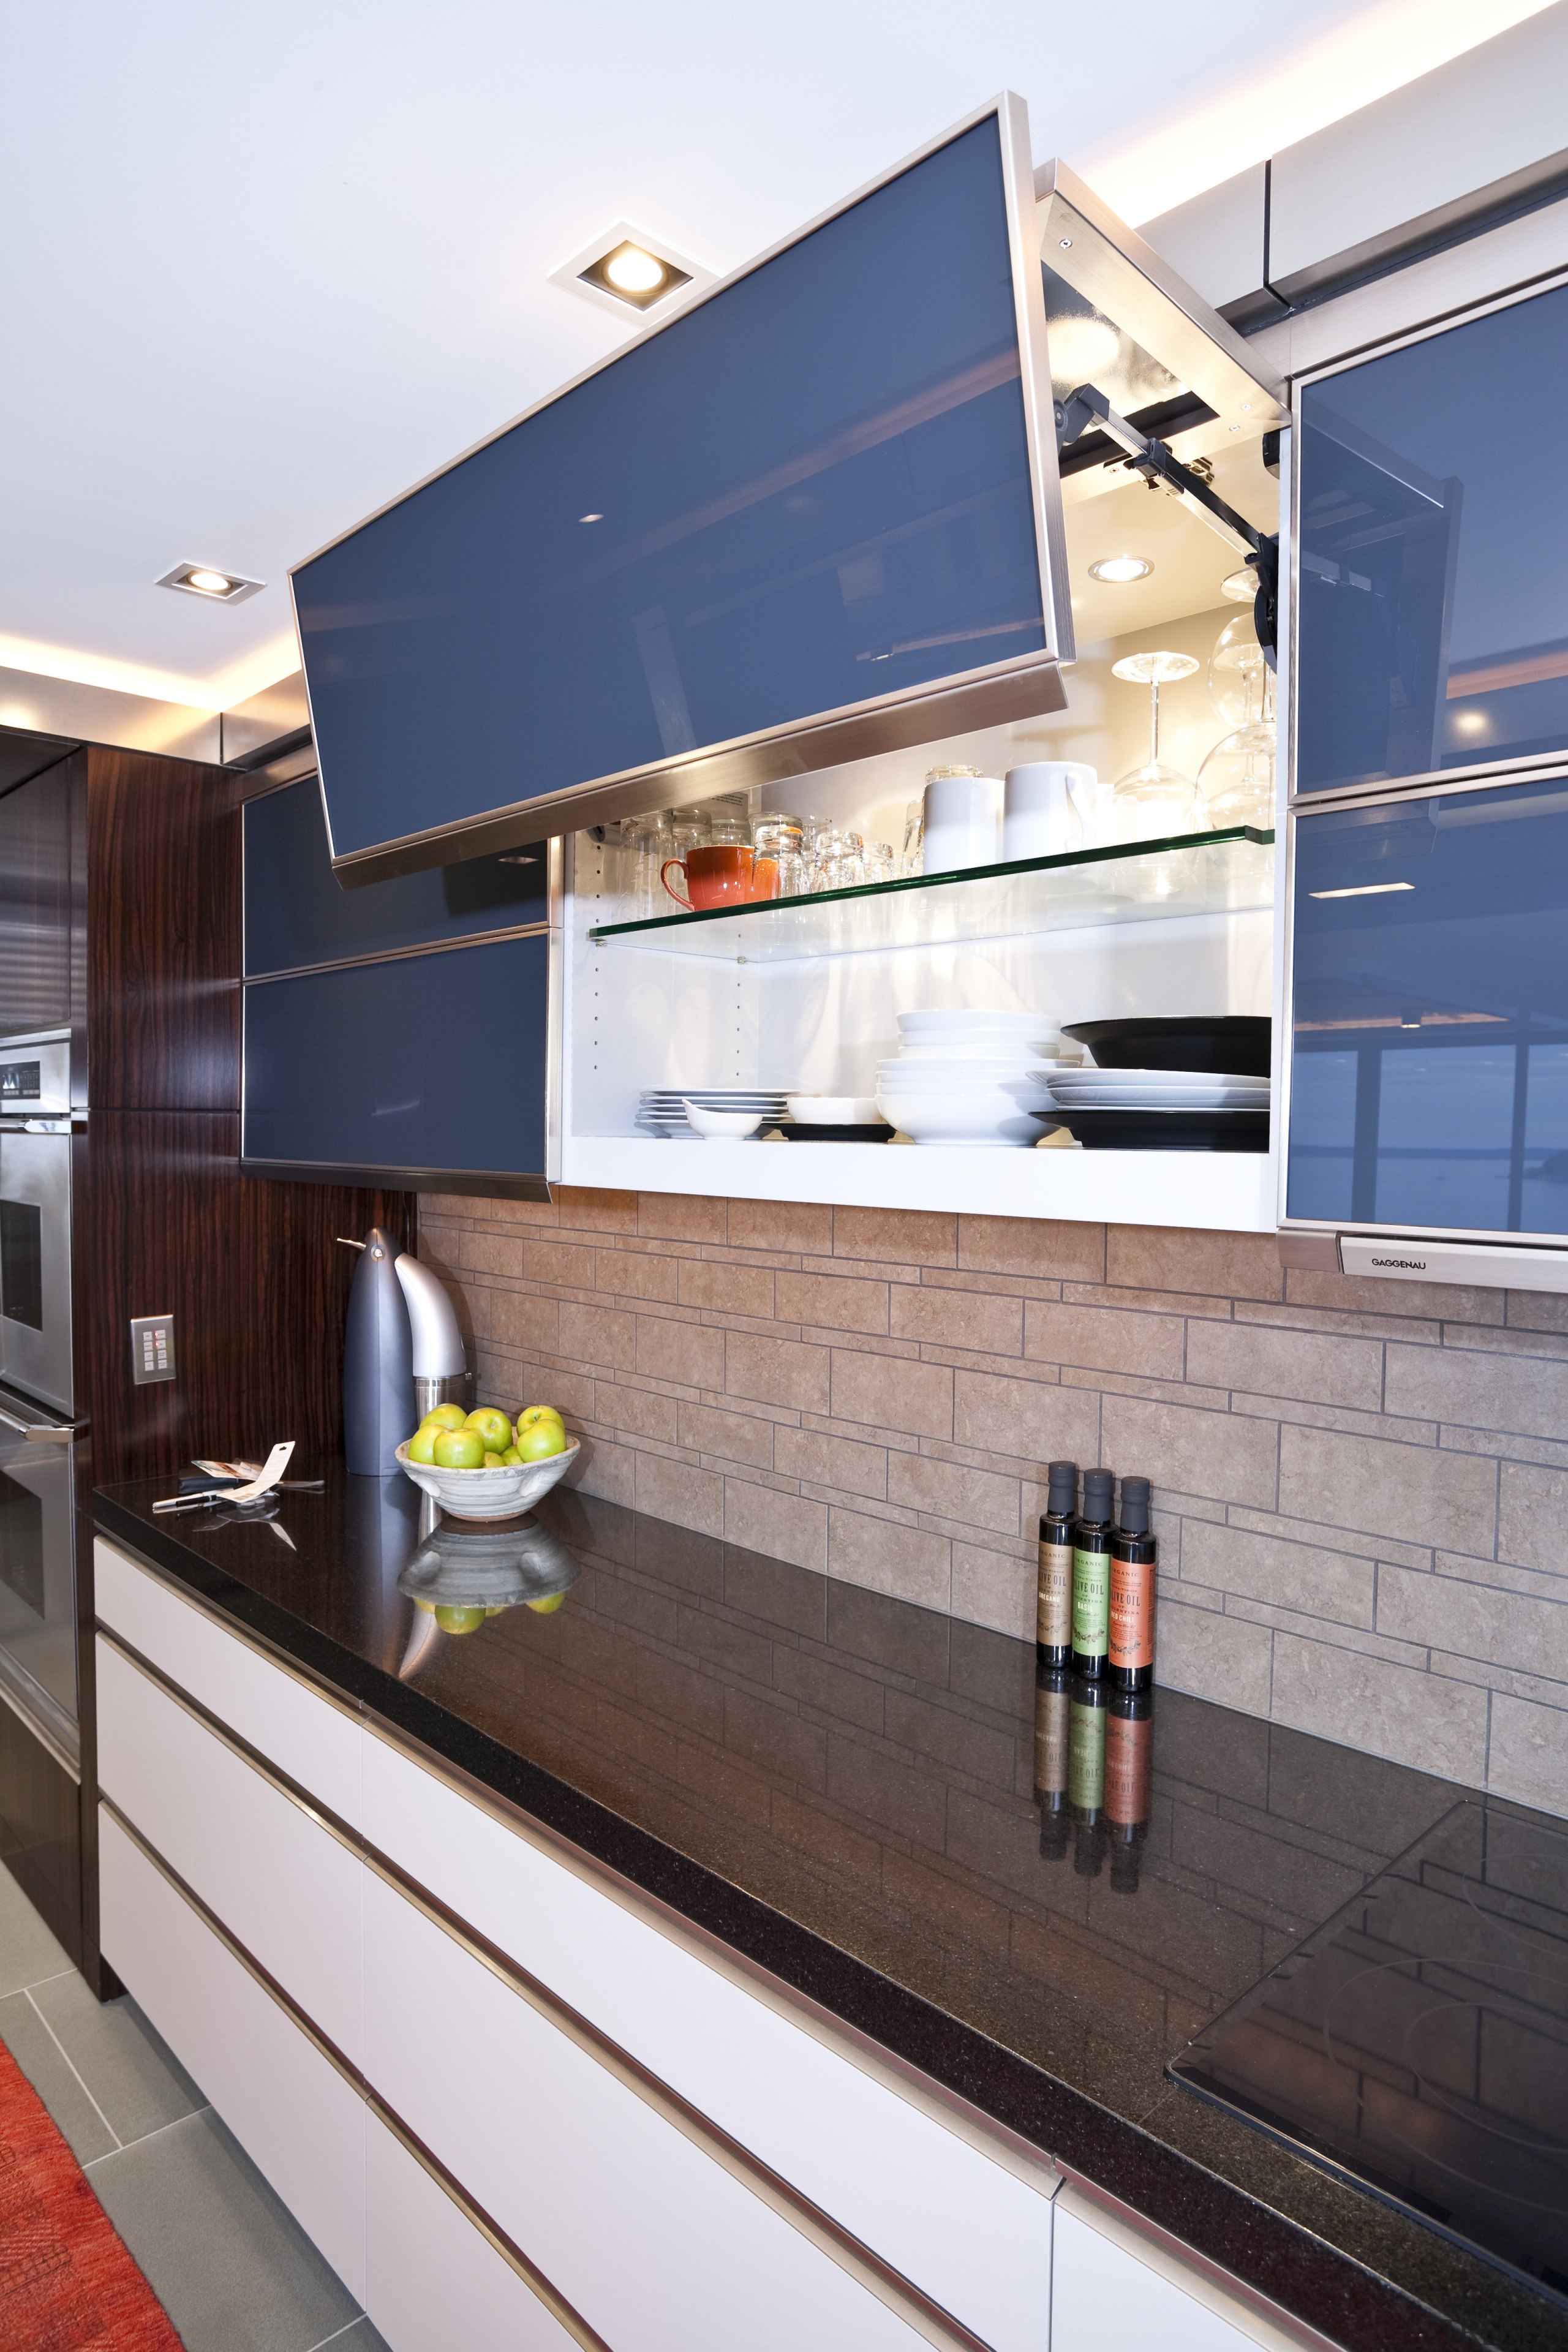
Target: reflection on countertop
(956, 1856)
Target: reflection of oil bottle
(1053, 1615)
(1086, 1773)
(1051, 1713)
(1129, 1776)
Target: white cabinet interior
(809, 1002)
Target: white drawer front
(285, 1889)
(432, 2282)
(314, 1742)
(1105, 2274)
(966, 2229)
(294, 2115)
(659, 2247)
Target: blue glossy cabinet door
(389, 1033)
(1432, 597)
(1430, 1048)
(421, 1067)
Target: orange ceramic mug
(730, 874)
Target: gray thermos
(402, 1352)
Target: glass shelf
(1225, 873)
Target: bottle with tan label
(1092, 1575)
(1053, 1613)
(1130, 1656)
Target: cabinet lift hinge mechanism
(1087, 407)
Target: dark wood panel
(40, 1841)
(164, 934)
(249, 1270)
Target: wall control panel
(152, 1348)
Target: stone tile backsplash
(1361, 1491)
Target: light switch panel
(152, 1348)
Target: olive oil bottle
(1092, 1576)
(1053, 1613)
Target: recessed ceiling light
(1120, 568)
(216, 587)
(628, 268)
(1474, 722)
(1363, 890)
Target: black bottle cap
(1135, 1506)
(1099, 1485)
(1062, 1494)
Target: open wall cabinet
(803, 995)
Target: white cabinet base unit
(517, 2102)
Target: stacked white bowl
(962, 1079)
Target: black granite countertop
(842, 1787)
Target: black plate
(798, 1130)
(1234, 1042)
(1165, 1130)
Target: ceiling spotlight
(205, 581)
(1120, 568)
(628, 268)
(630, 273)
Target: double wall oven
(37, 1388)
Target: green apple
(422, 1444)
(532, 1412)
(511, 1458)
(493, 1427)
(460, 1621)
(445, 1416)
(548, 1606)
(492, 1459)
(540, 1440)
(459, 1449)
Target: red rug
(66, 2280)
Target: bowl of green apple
(481, 1466)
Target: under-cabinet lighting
(206, 580)
(1363, 890)
(1120, 567)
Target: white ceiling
(262, 267)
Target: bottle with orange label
(1130, 1652)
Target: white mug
(1047, 809)
(963, 822)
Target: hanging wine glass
(1154, 799)
(1241, 683)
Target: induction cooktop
(1418, 2041)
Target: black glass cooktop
(1419, 2041)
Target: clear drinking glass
(781, 842)
(881, 864)
(647, 842)
(909, 861)
(840, 861)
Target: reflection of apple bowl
(490, 1569)
(489, 1494)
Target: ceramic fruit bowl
(489, 1494)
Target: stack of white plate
(662, 1110)
(1158, 1090)
(967, 1078)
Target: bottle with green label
(1092, 1575)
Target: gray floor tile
(229, 2263)
(131, 2072)
(33, 2048)
(27, 1951)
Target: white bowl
(489, 1494)
(921, 1044)
(834, 1110)
(962, 1119)
(725, 1126)
(946, 1082)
